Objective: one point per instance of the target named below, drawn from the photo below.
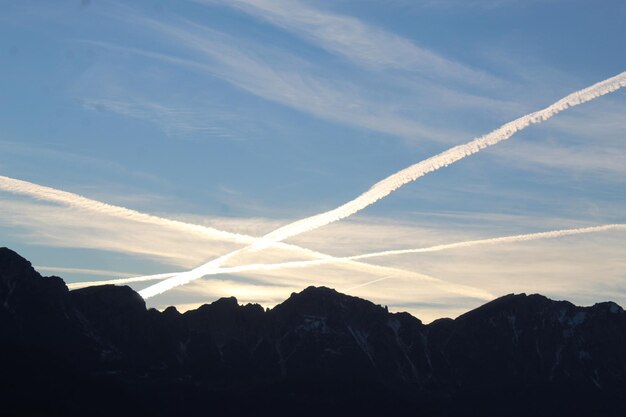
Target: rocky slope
(99, 352)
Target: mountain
(99, 352)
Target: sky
(245, 115)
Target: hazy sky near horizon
(247, 114)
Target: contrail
(392, 272)
(303, 264)
(41, 192)
(505, 239)
(44, 193)
(85, 271)
(367, 283)
(120, 281)
(74, 200)
(397, 180)
(468, 243)
(464, 244)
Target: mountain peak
(24, 289)
(14, 266)
(323, 301)
(608, 306)
(319, 347)
(226, 303)
(120, 301)
(318, 294)
(511, 304)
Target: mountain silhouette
(99, 351)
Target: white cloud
(355, 40)
(585, 142)
(14, 150)
(602, 123)
(281, 77)
(560, 268)
(608, 163)
(55, 226)
(574, 268)
(398, 104)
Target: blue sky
(247, 114)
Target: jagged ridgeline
(99, 352)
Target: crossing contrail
(41, 192)
(338, 260)
(397, 180)
(464, 244)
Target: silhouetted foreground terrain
(99, 352)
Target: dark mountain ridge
(99, 352)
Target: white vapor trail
(121, 281)
(397, 180)
(464, 290)
(447, 246)
(504, 239)
(303, 264)
(468, 243)
(41, 192)
(367, 283)
(85, 271)
(74, 200)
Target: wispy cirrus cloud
(394, 86)
(603, 123)
(396, 102)
(473, 4)
(280, 77)
(608, 163)
(357, 41)
(584, 142)
(19, 151)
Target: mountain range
(99, 351)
